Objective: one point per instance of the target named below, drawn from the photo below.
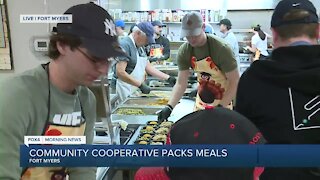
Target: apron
(51, 128)
(124, 89)
(212, 83)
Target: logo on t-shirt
(305, 111)
(71, 119)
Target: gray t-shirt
(127, 44)
(24, 110)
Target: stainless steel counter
(183, 108)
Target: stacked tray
(154, 133)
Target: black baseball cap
(96, 29)
(214, 126)
(226, 22)
(157, 23)
(286, 6)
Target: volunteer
(281, 95)
(213, 61)
(259, 44)
(52, 99)
(230, 38)
(161, 49)
(130, 71)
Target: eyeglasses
(92, 59)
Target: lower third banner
(170, 155)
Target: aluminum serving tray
(147, 110)
(136, 119)
(146, 102)
(171, 70)
(156, 90)
(152, 94)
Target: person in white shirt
(230, 38)
(259, 44)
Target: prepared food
(130, 111)
(145, 137)
(143, 142)
(156, 143)
(152, 123)
(143, 131)
(159, 137)
(166, 124)
(158, 102)
(162, 130)
(149, 128)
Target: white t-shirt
(261, 45)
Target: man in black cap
(130, 70)
(281, 95)
(161, 49)
(53, 98)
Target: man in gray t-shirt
(130, 70)
(230, 38)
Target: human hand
(172, 80)
(145, 89)
(165, 113)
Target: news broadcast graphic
(170, 155)
(45, 18)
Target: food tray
(146, 101)
(133, 111)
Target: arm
(15, 109)
(124, 76)
(155, 72)
(179, 88)
(253, 48)
(166, 49)
(254, 42)
(233, 79)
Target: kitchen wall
(240, 20)
(21, 34)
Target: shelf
(162, 22)
(130, 22)
(171, 22)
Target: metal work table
(183, 108)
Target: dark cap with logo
(96, 29)
(286, 6)
(226, 22)
(147, 28)
(214, 126)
